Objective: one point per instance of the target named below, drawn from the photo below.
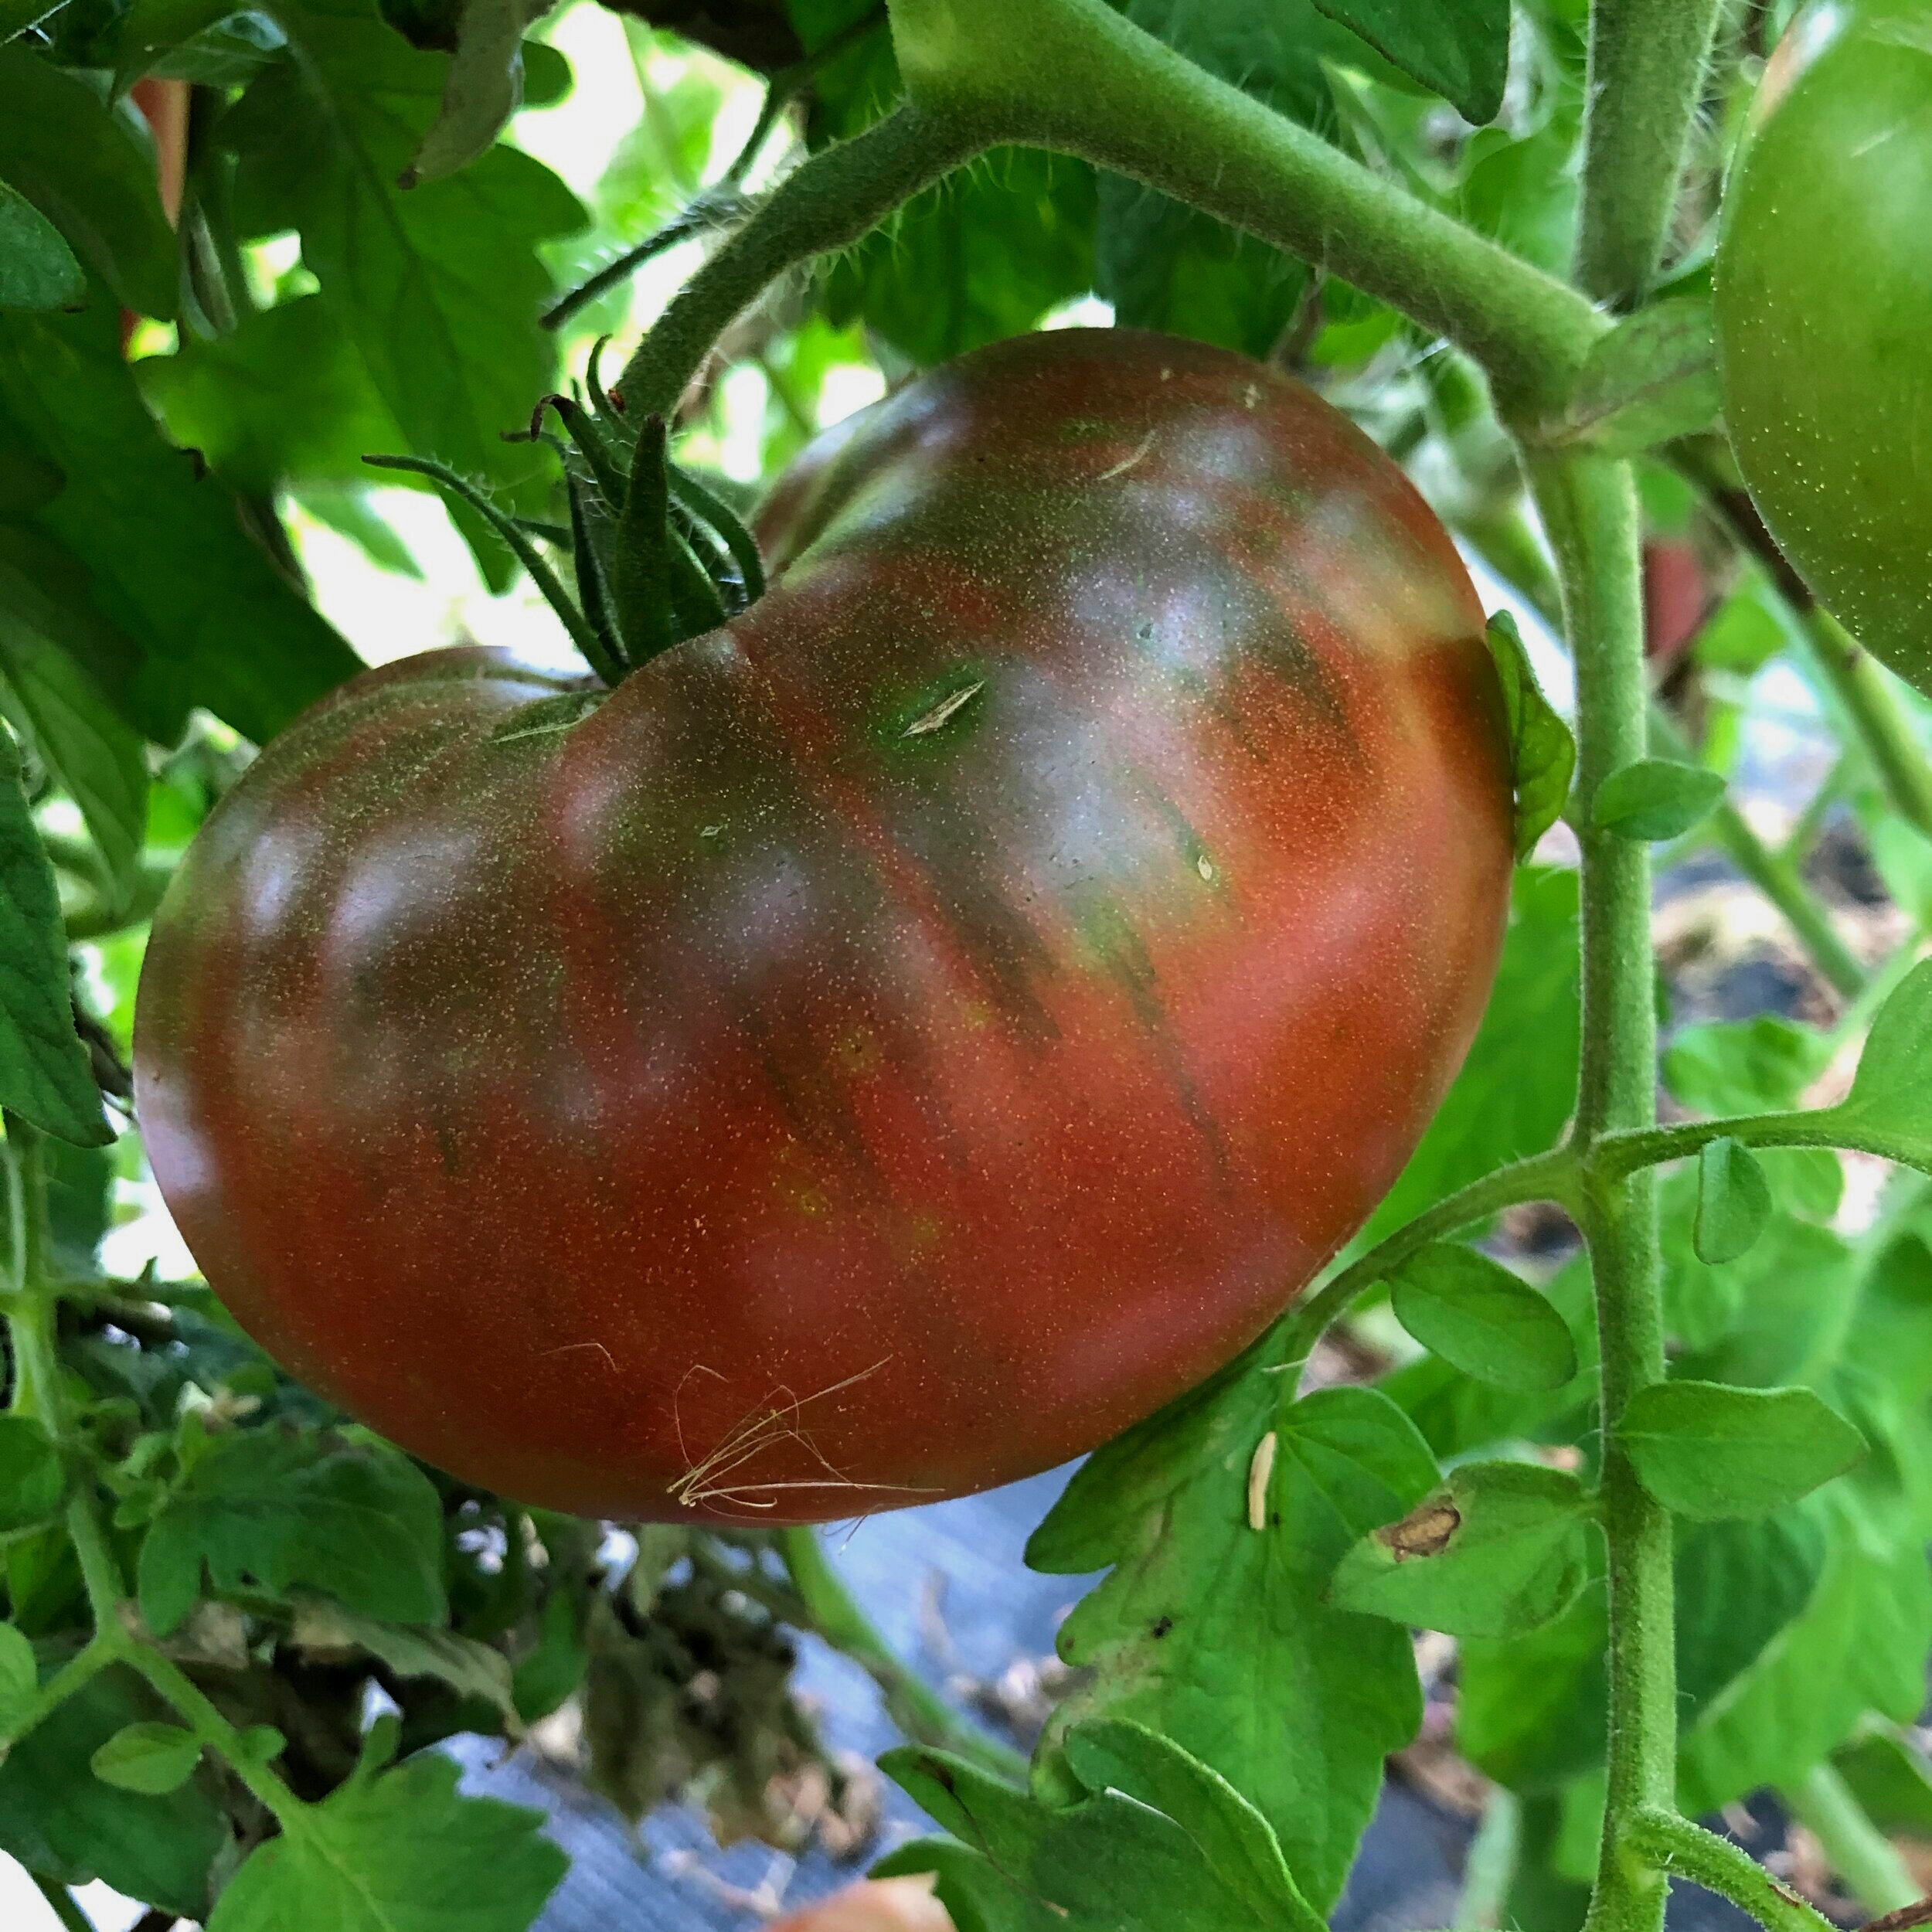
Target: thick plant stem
(1076, 76)
(827, 203)
(1854, 1847)
(1589, 508)
(1666, 1842)
(1646, 69)
(913, 1704)
(1867, 690)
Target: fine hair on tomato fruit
(890, 1043)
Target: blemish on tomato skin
(1161, 1626)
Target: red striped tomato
(896, 1041)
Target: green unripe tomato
(1824, 290)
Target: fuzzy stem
(918, 1710)
(1664, 1843)
(1588, 505)
(192, 1704)
(1868, 693)
(1617, 1154)
(1076, 77)
(1545, 1177)
(1646, 71)
(826, 202)
(1854, 1847)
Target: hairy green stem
(1666, 1843)
(1545, 1177)
(1589, 509)
(1872, 699)
(1617, 1154)
(1646, 72)
(1076, 77)
(918, 1710)
(826, 202)
(1854, 1847)
(192, 1704)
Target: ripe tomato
(896, 1041)
(1824, 293)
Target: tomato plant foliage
(844, 954)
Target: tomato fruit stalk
(893, 1042)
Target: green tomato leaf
(1498, 1550)
(978, 1895)
(48, 633)
(153, 1758)
(273, 1512)
(1152, 1840)
(286, 395)
(1761, 1065)
(1296, 1703)
(471, 1669)
(1654, 798)
(548, 1674)
(185, 609)
(1543, 754)
(1889, 1106)
(1652, 378)
(438, 288)
(1478, 1316)
(60, 1820)
(20, 1674)
(37, 267)
(482, 88)
(31, 1482)
(1733, 1201)
(1891, 1780)
(45, 1077)
(1166, 266)
(80, 165)
(983, 255)
(151, 28)
(1704, 1449)
(397, 1852)
(1459, 48)
(1857, 1648)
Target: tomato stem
(1076, 77)
(1647, 60)
(828, 202)
(1869, 694)
(1589, 508)
(1547, 1177)
(1661, 1842)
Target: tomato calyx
(657, 556)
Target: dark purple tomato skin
(893, 1042)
